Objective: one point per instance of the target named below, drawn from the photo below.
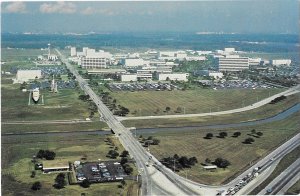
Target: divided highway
(157, 179)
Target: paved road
(29, 122)
(284, 178)
(288, 92)
(157, 179)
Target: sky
(228, 16)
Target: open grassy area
(240, 155)
(295, 189)
(282, 165)
(63, 105)
(17, 166)
(146, 103)
(265, 111)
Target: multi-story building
(133, 63)
(93, 59)
(233, 63)
(73, 51)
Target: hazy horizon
(239, 16)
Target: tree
(253, 131)
(168, 109)
(259, 134)
(150, 138)
(221, 163)
(249, 140)
(60, 181)
(36, 186)
(179, 110)
(85, 183)
(32, 174)
(113, 154)
(125, 153)
(123, 161)
(40, 154)
(127, 169)
(223, 134)
(123, 182)
(155, 141)
(236, 134)
(208, 136)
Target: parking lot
(240, 84)
(100, 171)
(142, 87)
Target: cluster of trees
(23, 86)
(92, 106)
(112, 105)
(254, 133)
(149, 141)
(85, 183)
(222, 134)
(60, 181)
(278, 99)
(47, 154)
(179, 162)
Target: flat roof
(55, 164)
(210, 167)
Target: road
(283, 179)
(288, 92)
(71, 121)
(157, 179)
(154, 182)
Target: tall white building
(233, 63)
(93, 59)
(73, 51)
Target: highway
(280, 181)
(157, 179)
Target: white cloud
(59, 7)
(16, 7)
(88, 11)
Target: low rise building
(133, 63)
(93, 59)
(279, 62)
(73, 51)
(26, 75)
(129, 77)
(215, 74)
(173, 76)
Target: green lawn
(240, 155)
(146, 103)
(16, 163)
(265, 111)
(295, 189)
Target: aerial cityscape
(150, 98)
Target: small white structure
(279, 62)
(229, 50)
(26, 75)
(129, 77)
(210, 167)
(195, 58)
(173, 76)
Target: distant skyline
(228, 16)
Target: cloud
(88, 11)
(16, 7)
(59, 7)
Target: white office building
(173, 76)
(210, 73)
(26, 75)
(279, 62)
(93, 59)
(73, 51)
(254, 61)
(133, 63)
(129, 77)
(233, 63)
(229, 50)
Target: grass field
(282, 165)
(16, 164)
(295, 189)
(63, 105)
(240, 155)
(258, 113)
(147, 103)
